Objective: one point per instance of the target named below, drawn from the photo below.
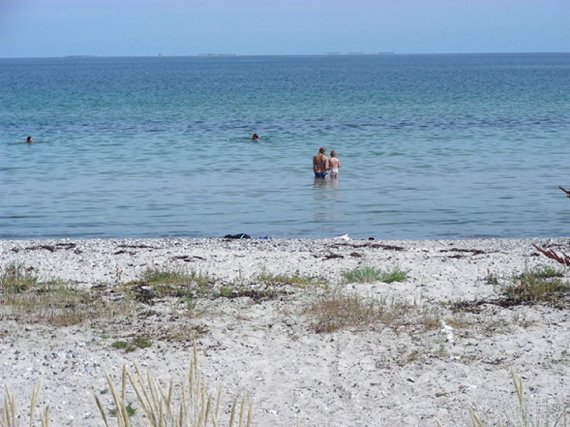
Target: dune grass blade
(102, 411)
(8, 412)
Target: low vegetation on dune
(142, 400)
(367, 274)
(53, 302)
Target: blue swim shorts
(320, 174)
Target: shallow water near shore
(432, 146)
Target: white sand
(379, 375)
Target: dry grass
(337, 310)
(189, 404)
(523, 417)
(9, 416)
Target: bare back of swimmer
(320, 163)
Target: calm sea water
(432, 146)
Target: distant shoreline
(326, 54)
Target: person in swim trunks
(334, 164)
(321, 163)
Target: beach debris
(121, 252)
(237, 236)
(136, 246)
(566, 191)
(448, 332)
(50, 248)
(188, 258)
(333, 256)
(549, 253)
(460, 250)
(344, 237)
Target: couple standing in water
(323, 164)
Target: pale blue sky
(38, 28)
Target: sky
(46, 28)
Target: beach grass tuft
(53, 302)
(339, 310)
(542, 285)
(189, 404)
(296, 279)
(140, 341)
(155, 276)
(17, 278)
(9, 416)
(166, 283)
(367, 274)
(523, 416)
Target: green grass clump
(157, 283)
(142, 341)
(130, 411)
(53, 302)
(394, 275)
(531, 289)
(541, 285)
(17, 278)
(291, 280)
(545, 272)
(155, 276)
(370, 274)
(492, 279)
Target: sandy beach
(442, 343)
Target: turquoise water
(432, 146)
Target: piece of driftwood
(562, 259)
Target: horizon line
(328, 54)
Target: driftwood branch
(562, 259)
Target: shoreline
(453, 349)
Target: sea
(449, 146)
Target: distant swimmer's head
(254, 137)
(29, 140)
(322, 150)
